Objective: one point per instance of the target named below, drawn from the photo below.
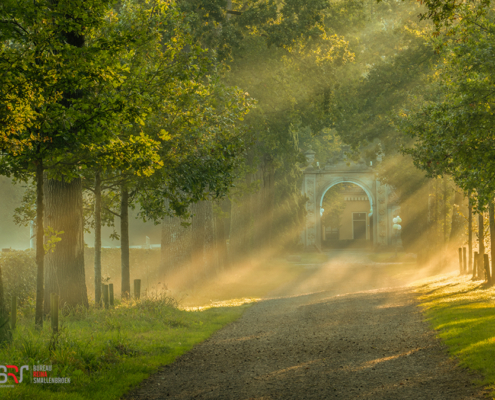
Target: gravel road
(343, 331)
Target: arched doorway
(317, 181)
(346, 214)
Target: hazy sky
(17, 237)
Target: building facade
(369, 208)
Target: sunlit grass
(106, 352)
(463, 313)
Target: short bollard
(137, 289)
(13, 313)
(105, 296)
(464, 260)
(110, 292)
(54, 311)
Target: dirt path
(320, 340)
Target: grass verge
(106, 352)
(463, 313)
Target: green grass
(106, 352)
(463, 313)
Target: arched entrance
(346, 215)
(317, 181)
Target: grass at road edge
(107, 352)
(462, 311)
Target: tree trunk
(3, 307)
(97, 264)
(199, 236)
(491, 211)
(221, 235)
(470, 234)
(437, 219)
(445, 210)
(457, 220)
(210, 254)
(124, 244)
(40, 251)
(64, 273)
(429, 223)
(166, 256)
(176, 245)
(269, 190)
(481, 245)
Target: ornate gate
(317, 181)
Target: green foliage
(18, 275)
(52, 237)
(452, 124)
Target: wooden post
(491, 218)
(105, 295)
(54, 311)
(13, 315)
(487, 268)
(475, 264)
(137, 289)
(110, 292)
(470, 236)
(464, 260)
(481, 246)
(460, 260)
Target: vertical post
(491, 217)
(124, 244)
(97, 219)
(54, 311)
(445, 210)
(464, 260)
(460, 260)
(481, 267)
(481, 247)
(487, 268)
(481, 234)
(105, 295)
(475, 264)
(470, 235)
(110, 292)
(137, 289)
(13, 315)
(40, 250)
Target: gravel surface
(319, 339)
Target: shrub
(18, 275)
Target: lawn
(105, 352)
(463, 313)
